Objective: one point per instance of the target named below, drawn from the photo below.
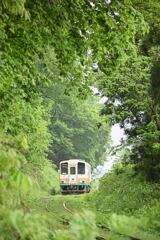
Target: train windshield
(81, 168)
(64, 168)
(72, 170)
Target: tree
(133, 96)
(77, 129)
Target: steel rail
(66, 208)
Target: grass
(125, 207)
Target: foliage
(16, 7)
(77, 129)
(127, 204)
(69, 27)
(24, 136)
(118, 194)
(82, 226)
(131, 226)
(133, 95)
(42, 43)
(23, 226)
(17, 222)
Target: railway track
(102, 228)
(99, 226)
(66, 208)
(71, 212)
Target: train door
(81, 176)
(64, 173)
(72, 175)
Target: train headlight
(62, 181)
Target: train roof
(71, 160)
(74, 160)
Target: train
(75, 176)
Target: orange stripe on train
(83, 179)
(63, 179)
(77, 180)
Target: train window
(72, 170)
(81, 168)
(64, 168)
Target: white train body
(75, 176)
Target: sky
(117, 134)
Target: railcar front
(75, 176)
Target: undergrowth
(127, 204)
